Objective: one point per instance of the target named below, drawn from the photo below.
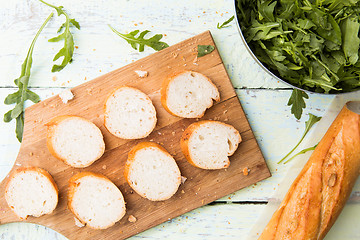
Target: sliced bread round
(75, 140)
(152, 172)
(207, 144)
(188, 94)
(31, 191)
(95, 200)
(129, 113)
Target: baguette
(188, 94)
(319, 193)
(95, 200)
(74, 140)
(208, 144)
(31, 191)
(152, 172)
(129, 113)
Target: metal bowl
(268, 70)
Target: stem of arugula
(302, 137)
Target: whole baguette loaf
(319, 193)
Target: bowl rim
(270, 72)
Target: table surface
(99, 50)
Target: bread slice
(31, 191)
(207, 144)
(188, 94)
(75, 140)
(129, 113)
(95, 200)
(152, 172)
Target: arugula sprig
(225, 24)
(23, 94)
(308, 124)
(68, 49)
(153, 42)
(297, 103)
(301, 152)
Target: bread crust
(51, 126)
(147, 98)
(322, 188)
(31, 169)
(165, 87)
(72, 189)
(184, 142)
(131, 159)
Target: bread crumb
(66, 95)
(104, 167)
(141, 74)
(175, 55)
(173, 133)
(203, 201)
(131, 191)
(78, 223)
(132, 219)
(182, 191)
(89, 91)
(183, 179)
(54, 78)
(246, 171)
(31, 153)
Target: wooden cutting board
(201, 186)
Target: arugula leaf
(225, 24)
(68, 50)
(351, 41)
(204, 50)
(301, 152)
(23, 94)
(308, 124)
(266, 10)
(153, 42)
(297, 103)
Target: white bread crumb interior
(211, 143)
(129, 113)
(153, 173)
(30, 192)
(189, 94)
(75, 140)
(96, 201)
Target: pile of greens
(312, 44)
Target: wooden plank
(228, 221)
(201, 187)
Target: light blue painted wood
(100, 51)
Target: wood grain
(201, 187)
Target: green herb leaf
(204, 50)
(351, 41)
(23, 94)
(297, 103)
(225, 24)
(68, 50)
(308, 125)
(135, 42)
(301, 152)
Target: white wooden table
(99, 51)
